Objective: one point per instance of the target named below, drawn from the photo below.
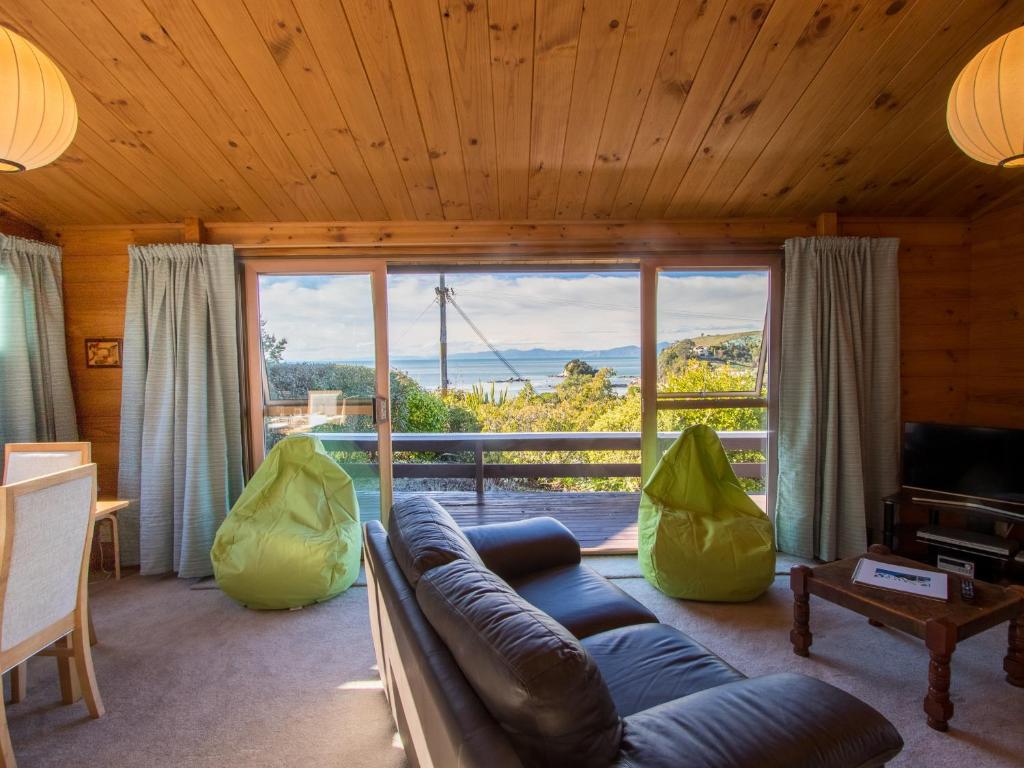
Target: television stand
(967, 505)
(999, 552)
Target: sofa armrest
(776, 721)
(525, 546)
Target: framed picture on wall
(103, 353)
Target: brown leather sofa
(499, 648)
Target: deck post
(648, 371)
(478, 461)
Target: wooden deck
(604, 523)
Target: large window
(561, 377)
(527, 380)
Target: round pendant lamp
(985, 111)
(38, 116)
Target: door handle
(381, 410)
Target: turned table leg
(800, 636)
(940, 638)
(1014, 661)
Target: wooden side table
(107, 510)
(940, 624)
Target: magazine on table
(913, 581)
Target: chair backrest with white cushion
(23, 461)
(45, 540)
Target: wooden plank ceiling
(312, 110)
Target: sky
(330, 317)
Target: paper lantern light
(38, 116)
(985, 112)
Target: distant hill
(589, 355)
(721, 338)
(740, 348)
(595, 355)
(555, 354)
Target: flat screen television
(975, 462)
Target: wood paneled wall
(935, 279)
(95, 287)
(995, 395)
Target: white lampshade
(38, 116)
(985, 112)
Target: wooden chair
(23, 461)
(44, 575)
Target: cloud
(323, 318)
(330, 317)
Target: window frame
(257, 392)
(648, 265)
(652, 401)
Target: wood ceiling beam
(827, 224)
(193, 230)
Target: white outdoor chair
(44, 573)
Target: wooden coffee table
(940, 624)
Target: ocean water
(542, 372)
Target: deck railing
(480, 443)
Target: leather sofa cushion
(580, 600)
(518, 548)
(423, 535)
(776, 721)
(648, 664)
(535, 678)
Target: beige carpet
(191, 679)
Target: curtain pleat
(839, 393)
(36, 404)
(181, 444)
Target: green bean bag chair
(293, 537)
(701, 536)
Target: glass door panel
(712, 362)
(708, 349)
(710, 331)
(318, 370)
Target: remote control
(967, 589)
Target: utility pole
(442, 299)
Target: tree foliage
(577, 367)
(273, 347)
(581, 402)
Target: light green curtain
(839, 393)
(36, 404)
(181, 438)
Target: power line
(518, 376)
(410, 324)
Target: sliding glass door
(709, 328)
(316, 340)
(511, 380)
